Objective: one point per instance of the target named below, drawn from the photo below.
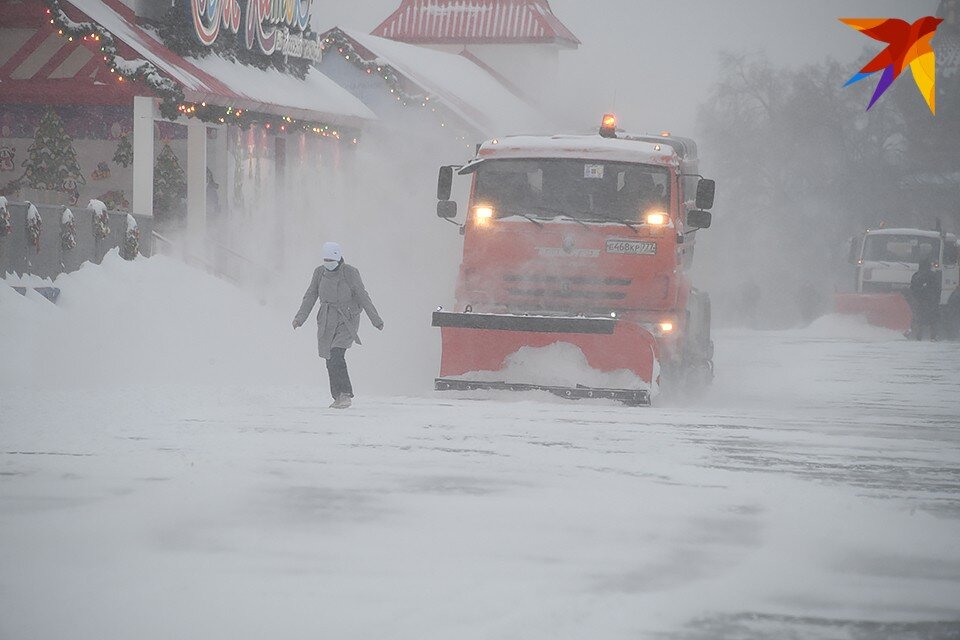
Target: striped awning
(39, 66)
(476, 22)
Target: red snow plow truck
(574, 272)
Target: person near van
(951, 316)
(926, 288)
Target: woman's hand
(296, 325)
(379, 326)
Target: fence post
(196, 181)
(144, 114)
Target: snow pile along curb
(149, 321)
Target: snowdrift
(150, 321)
(845, 327)
(561, 365)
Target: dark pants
(337, 370)
(951, 321)
(926, 318)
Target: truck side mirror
(697, 219)
(706, 189)
(445, 183)
(853, 250)
(447, 209)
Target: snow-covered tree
(101, 219)
(34, 226)
(131, 240)
(68, 231)
(6, 225)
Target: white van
(886, 259)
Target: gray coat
(342, 297)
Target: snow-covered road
(814, 494)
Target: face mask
(330, 266)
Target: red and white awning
(38, 67)
(476, 22)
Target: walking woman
(338, 287)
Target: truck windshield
(901, 248)
(582, 189)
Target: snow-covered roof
(225, 83)
(476, 22)
(923, 233)
(932, 180)
(461, 85)
(316, 92)
(582, 147)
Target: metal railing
(218, 260)
(49, 258)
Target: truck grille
(572, 288)
(622, 282)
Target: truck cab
(567, 232)
(886, 259)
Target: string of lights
(172, 100)
(336, 39)
(124, 69)
(245, 118)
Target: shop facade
(208, 119)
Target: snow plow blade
(483, 342)
(887, 310)
(533, 324)
(630, 397)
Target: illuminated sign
(273, 26)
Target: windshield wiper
(523, 215)
(577, 220)
(556, 213)
(632, 226)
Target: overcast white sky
(653, 61)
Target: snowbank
(846, 327)
(560, 364)
(148, 321)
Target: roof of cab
(624, 148)
(924, 233)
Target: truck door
(854, 257)
(951, 268)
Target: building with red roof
(520, 40)
(476, 22)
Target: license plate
(633, 247)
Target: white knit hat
(331, 251)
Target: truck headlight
(660, 329)
(656, 218)
(483, 214)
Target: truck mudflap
(887, 310)
(475, 342)
(630, 397)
